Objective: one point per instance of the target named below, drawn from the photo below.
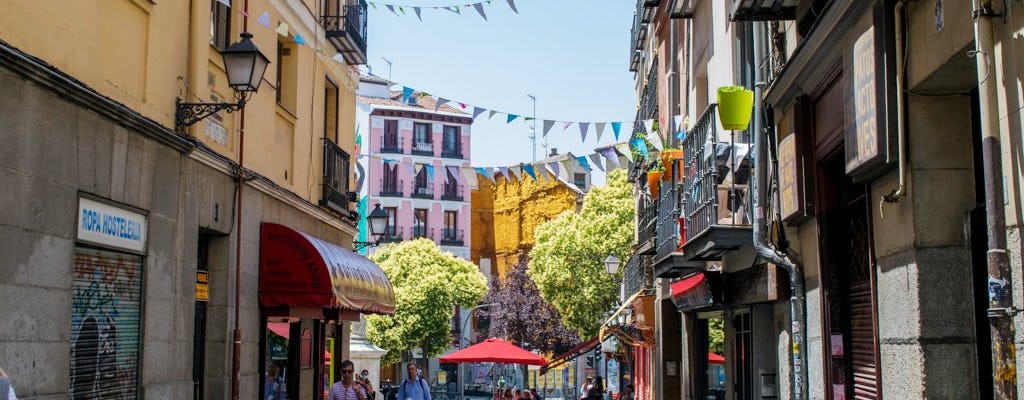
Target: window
(419, 222)
(390, 144)
(335, 184)
(451, 188)
(422, 143)
(330, 109)
(391, 227)
(390, 185)
(450, 221)
(220, 25)
(287, 73)
(422, 188)
(451, 235)
(580, 180)
(451, 146)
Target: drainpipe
(198, 50)
(900, 190)
(1001, 309)
(797, 301)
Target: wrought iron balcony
(425, 191)
(390, 145)
(392, 234)
(682, 8)
(451, 152)
(646, 225)
(335, 179)
(646, 9)
(452, 191)
(345, 27)
(649, 97)
(764, 10)
(423, 149)
(637, 274)
(420, 231)
(452, 237)
(715, 193)
(391, 188)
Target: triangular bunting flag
(504, 172)
(480, 9)
(338, 57)
(490, 174)
(454, 173)
(282, 29)
(440, 102)
(542, 171)
(511, 117)
(600, 130)
(517, 171)
(596, 160)
(298, 40)
(412, 169)
(649, 126)
(547, 126)
(611, 155)
(567, 165)
(402, 10)
(678, 120)
(406, 93)
(469, 174)
(419, 167)
(584, 126)
(477, 111)
(463, 105)
(583, 163)
(225, 2)
(623, 149)
(616, 127)
(529, 170)
(513, 6)
(491, 114)
(555, 168)
(681, 135)
(417, 10)
(655, 139)
(567, 125)
(640, 146)
(264, 19)
(244, 13)
(391, 8)
(430, 172)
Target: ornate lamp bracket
(186, 114)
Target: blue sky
(570, 54)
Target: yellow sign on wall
(202, 286)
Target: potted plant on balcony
(735, 105)
(654, 175)
(669, 156)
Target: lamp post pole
(533, 130)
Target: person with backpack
(414, 388)
(348, 388)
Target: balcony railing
(451, 152)
(423, 192)
(452, 191)
(335, 180)
(646, 224)
(764, 10)
(717, 169)
(390, 145)
(392, 234)
(637, 274)
(452, 237)
(667, 222)
(345, 27)
(422, 232)
(391, 188)
(423, 149)
(649, 98)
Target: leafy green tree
(716, 336)
(428, 283)
(567, 262)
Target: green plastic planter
(735, 105)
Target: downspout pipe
(797, 300)
(900, 190)
(1001, 309)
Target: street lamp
(378, 225)
(611, 264)
(245, 65)
(461, 379)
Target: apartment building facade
(860, 238)
(166, 254)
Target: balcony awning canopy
(300, 270)
(764, 10)
(572, 354)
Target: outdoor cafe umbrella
(494, 350)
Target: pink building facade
(414, 155)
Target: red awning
(715, 358)
(681, 287)
(279, 328)
(572, 354)
(299, 270)
(692, 292)
(494, 350)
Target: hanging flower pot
(653, 180)
(735, 105)
(668, 160)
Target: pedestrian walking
(585, 389)
(348, 388)
(414, 387)
(364, 378)
(6, 388)
(596, 391)
(627, 392)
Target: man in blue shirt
(414, 388)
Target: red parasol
(494, 350)
(715, 358)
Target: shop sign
(789, 177)
(104, 224)
(873, 128)
(202, 286)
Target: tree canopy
(567, 262)
(428, 283)
(524, 317)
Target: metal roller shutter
(106, 315)
(862, 341)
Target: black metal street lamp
(377, 222)
(245, 66)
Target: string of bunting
(583, 126)
(399, 9)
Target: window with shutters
(220, 24)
